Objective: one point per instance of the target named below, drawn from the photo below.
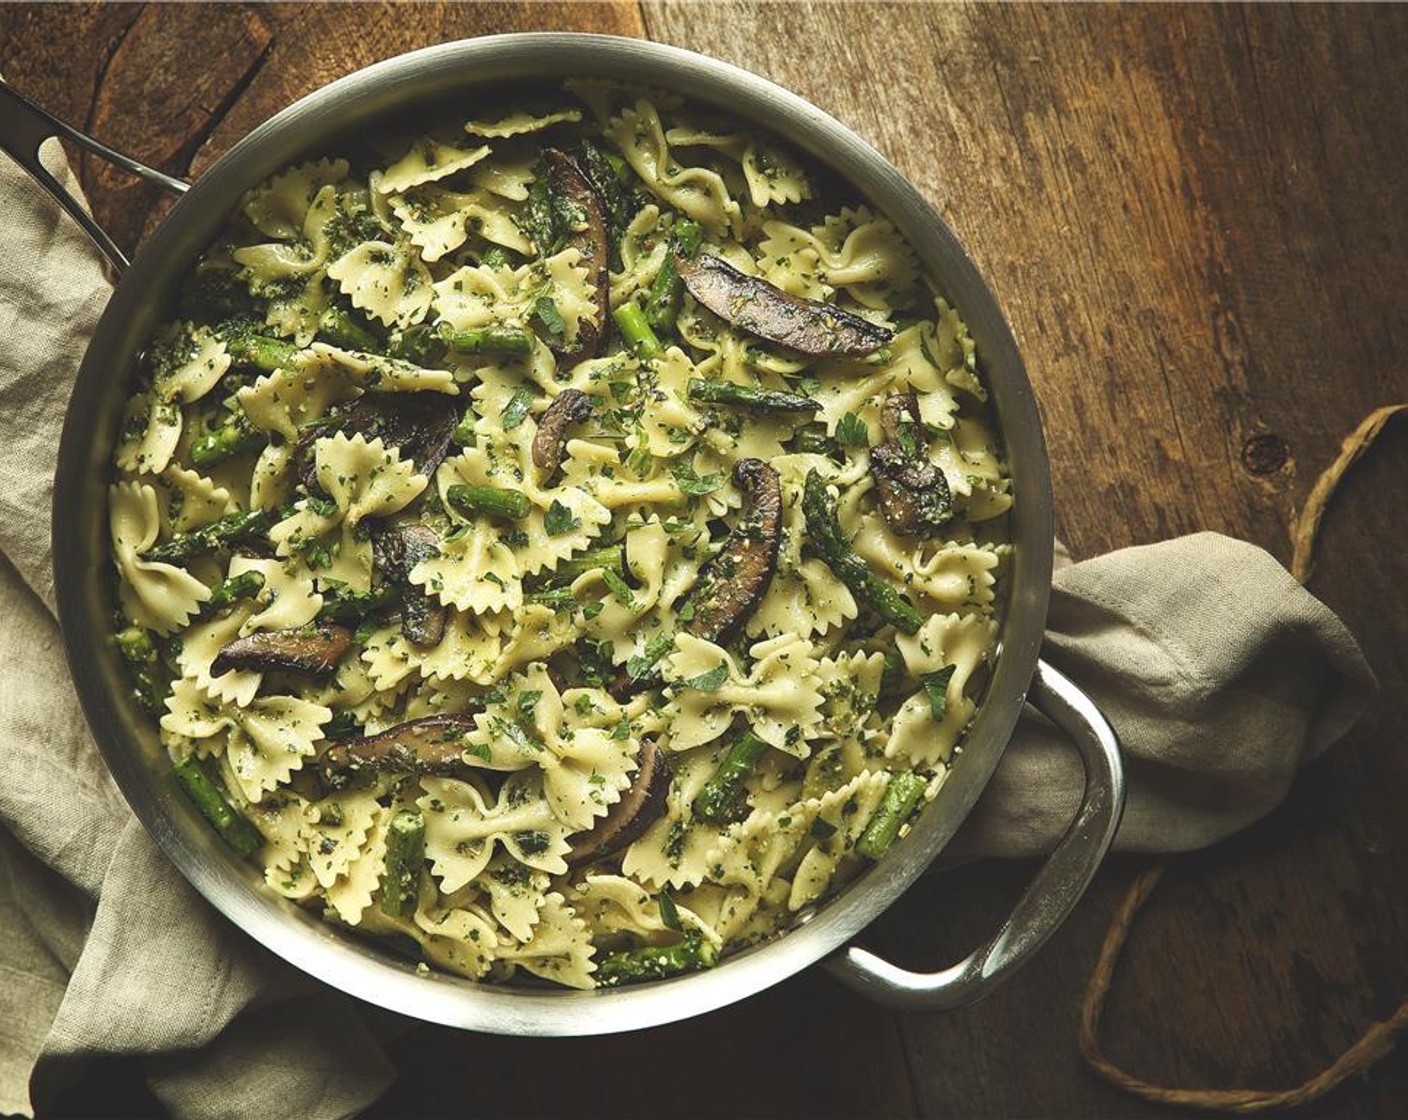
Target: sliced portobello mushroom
(914, 494)
(419, 425)
(433, 745)
(397, 551)
(311, 651)
(732, 584)
(577, 198)
(640, 806)
(752, 304)
(572, 406)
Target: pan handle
(24, 126)
(1052, 894)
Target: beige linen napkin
(1221, 675)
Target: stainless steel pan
(421, 83)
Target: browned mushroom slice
(900, 415)
(433, 745)
(578, 198)
(418, 425)
(914, 494)
(311, 650)
(398, 550)
(732, 584)
(640, 806)
(754, 305)
(572, 406)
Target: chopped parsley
(558, 520)
(936, 685)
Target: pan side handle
(1056, 889)
(24, 126)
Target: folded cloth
(1220, 674)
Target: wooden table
(1195, 218)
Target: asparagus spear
(724, 797)
(463, 435)
(405, 854)
(691, 953)
(491, 340)
(339, 328)
(743, 396)
(607, 557)
(237, 832)
(234, 436)
(249, 348)
(229, 529)
(824, 531)
(635, 331)
(496, 502)
(662, 306)
(901, 796)
(230, 591)
(149, 682)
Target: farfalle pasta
(568, 545)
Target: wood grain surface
(1194, 218)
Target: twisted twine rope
(1375, 1042)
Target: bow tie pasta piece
(271, 483)
(507, 173)
(790, 259)
(926, 728)
(539, 632)
(560, 949)
(781, 696)
(439, 221)
(337, 828)
(771, 176)
(483, 295)
(290, 274)
(389, 282)
(864, 255)
(279, 208)
(427, 161)
(560, 520)
(644, 246)
(674, 850)
(464, 823)
(284, 603)
(841, 817)
(471, 650)
(850, 687)
(351, 893)
(597, 470)
(942, 575)
(266, 741)
(474, 571)
(669, 419)
(614, 904)
(362, 479)
(459, 939)
(696, 191)
(281, 818)
(516, 894)
(584, 768)
(647, 552)
(160, 597)
(186, 362)
(518, 122)
(192, 500)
